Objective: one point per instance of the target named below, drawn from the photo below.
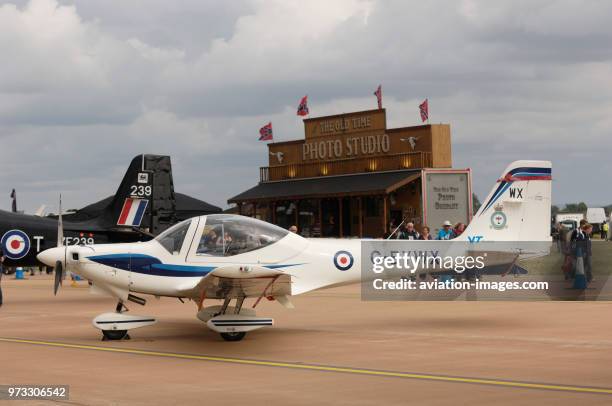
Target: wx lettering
(516, 193)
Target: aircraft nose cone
(51, 256)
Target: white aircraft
(231, 257)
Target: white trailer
(567, 217)
(596, 215)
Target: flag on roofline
(302, 109)
(265, 132)
(424, 108)
(378, 94)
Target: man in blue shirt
(446, 232)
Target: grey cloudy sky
(87, 85)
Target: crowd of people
(407, 231)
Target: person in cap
(446, 232)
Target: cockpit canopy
(172, 239)
(227, 235)
(223, 235)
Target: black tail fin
(145, 198)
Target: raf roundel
(343, 260)
(15, 244)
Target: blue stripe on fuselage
(149, 265)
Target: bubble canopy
(228, 235)
(172, 239)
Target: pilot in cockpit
(212, 240)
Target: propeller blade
(59, 273)
(60, 225)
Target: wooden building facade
(349, 176)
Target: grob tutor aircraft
(231, 257)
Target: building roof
(326, 186)
(188, 206)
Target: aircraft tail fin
(517, 208)
(145, 198)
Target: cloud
(86, 86)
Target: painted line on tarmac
(322, 368)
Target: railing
(410, 160)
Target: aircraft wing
(242, 280)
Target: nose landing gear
(111, 335)
(115, 326)
(235, 336)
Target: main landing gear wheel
(111, 335)
(236, 336)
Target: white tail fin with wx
(518, 207)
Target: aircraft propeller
(58, 270)
(58, 273)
